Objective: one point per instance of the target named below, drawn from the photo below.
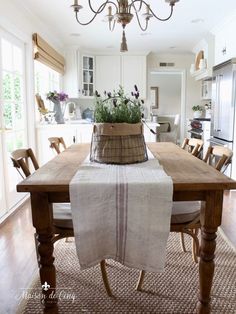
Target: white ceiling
(178, 32)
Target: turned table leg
(42, 220)
(210, 220)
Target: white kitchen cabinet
(84, 133)
(88, 75)
(71, 77)
(71, 133)
(108, 73)
(44, 152)
(127, 71)
(225, 46)
(134, 72)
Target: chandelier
(122, 12)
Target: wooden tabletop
(187, 172)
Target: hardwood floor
(18, 265)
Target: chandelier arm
(133, 5)
(102, 7)
(165, 19)
(139, 23)
(158, 18)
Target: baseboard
(224, 236)
(13, 210)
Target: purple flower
(61, 96)
(136, 92)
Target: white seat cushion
(183, 212)
(62, 216)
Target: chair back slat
(219, 157)
(193, 146)
(56, 143)
(21, 158)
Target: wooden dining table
(192, 180)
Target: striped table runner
(122, 212)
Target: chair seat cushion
(183, 212)
(62, 216)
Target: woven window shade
(45, 54)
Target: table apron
(64, 197)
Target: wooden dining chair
(24, 160)
(219, 157)
(57, 143)
(185, 216)
(193, 146)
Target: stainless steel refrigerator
(223, 105)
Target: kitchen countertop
(66, 124)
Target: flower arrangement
(55, 96)
(117, 107)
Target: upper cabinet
(134, 72)
(71, 77)
(88, 74)
(204, 59)
(108, 73)
(225, 45)
(112, 71)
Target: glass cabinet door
(88, 76)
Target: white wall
(169, 90)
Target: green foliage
(117, 108)
(197, 108)
(6, 87)
(12, 108)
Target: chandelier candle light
(123, 14)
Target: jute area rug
(174, 291)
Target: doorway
(171, 93)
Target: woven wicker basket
(118, 143)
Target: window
(46, 80)
(12, 91)
(13, 115)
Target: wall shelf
(202, 74)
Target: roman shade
(44, 53)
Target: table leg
(42, 220)
(210, 220)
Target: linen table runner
(122, 212)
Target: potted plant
(118, 130)
(197, 111)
